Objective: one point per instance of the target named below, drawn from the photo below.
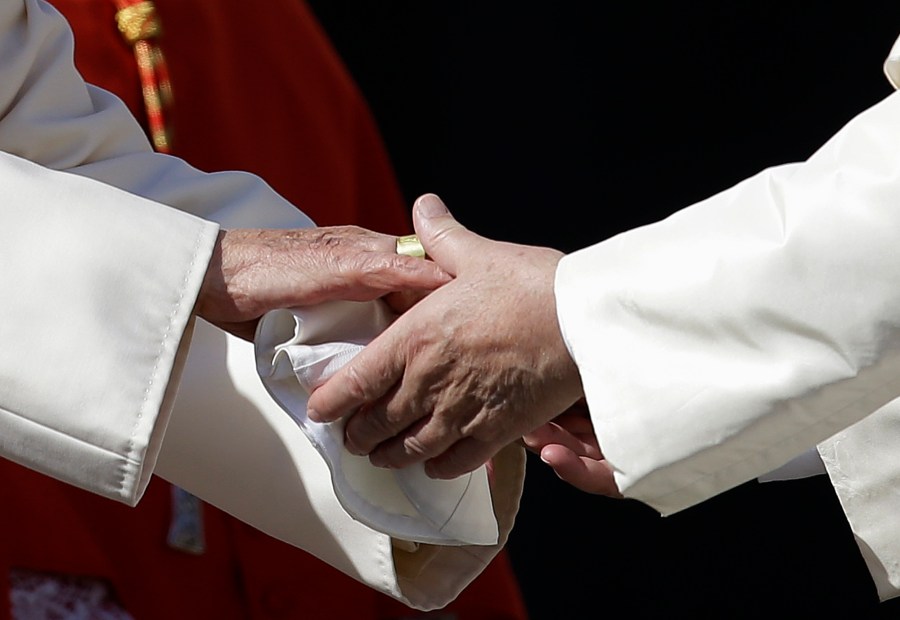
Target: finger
(445, 240)
(422, 440)
(367, 377)
(575, 423)
(586, 474)
(577, 426)
(417, 273)
(386, 273)
(462, 457)
(315, 278)
(400, 415)
(554, 434)
(379, 431)
(541, 436)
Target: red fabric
(257, 87)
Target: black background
(563, 123)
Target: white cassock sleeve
(97, 285)
(718, 344)
(863, 466)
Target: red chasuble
(255, 86)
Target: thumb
(445, 240)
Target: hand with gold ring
(256, 270)
(409, 245)
(401, 301)
(471, 368)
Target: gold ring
(409, 245)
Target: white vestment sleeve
(96, 291)
(97, 285)
(48, 115)
(719, 343)
(230, 443)
(863, 465)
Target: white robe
(97, 287)
(720, 343)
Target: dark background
(563, 123)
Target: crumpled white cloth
(297, 350)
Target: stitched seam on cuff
(154, 374)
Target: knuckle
(357, 385)
(380, 423)
(356, 437)
(415, 447)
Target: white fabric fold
(805, 465)
(299, 349)
(892, 65)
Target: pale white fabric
(232, 444)
(806, 464)
(126, 272)
(863, 465)
(892, 65)
(98, 287)
(720, 343)
(298, 350)
(95, 318)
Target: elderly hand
(468, 369)
(253, 271)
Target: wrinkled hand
(467, 370)
(569, 446)
(253, 271)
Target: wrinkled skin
(470, 368)
(253, 271)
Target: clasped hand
(253, 271)
(476, 364)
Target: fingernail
(432, 206)
(351, 447)
(379, 461)
(313, 415)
